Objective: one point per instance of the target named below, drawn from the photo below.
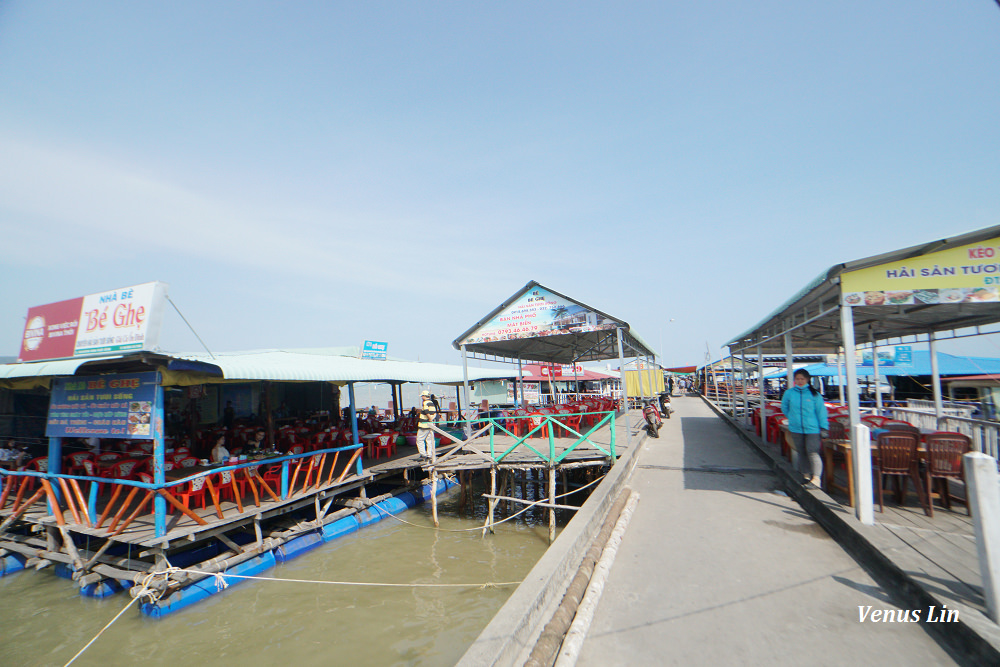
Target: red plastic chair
(39, 464)
(189, 492)
(386, 442)
(186, 462)
(73, 463)
(534, 419)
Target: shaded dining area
(114, 469)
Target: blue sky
(319, 173)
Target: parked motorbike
(665, 408)
(653, 419)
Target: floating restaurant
(124, 495)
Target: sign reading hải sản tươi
(964, 274)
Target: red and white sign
(116, 321)
(562, 371)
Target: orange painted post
(121, 510)
(180, 506)
(107, 509)
(133, 515)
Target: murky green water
(43, 621)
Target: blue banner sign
(374, 349)
(904, 355)
(127, 406)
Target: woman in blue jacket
(807, 422)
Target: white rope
(80, 652)
(495, 523)
(144, 591)
(223, 576)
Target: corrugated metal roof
(297, 365)
(48, 368)
(319, 365)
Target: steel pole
(624, 391)
(861, 449)
(936, 380)
(875, 375)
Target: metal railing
(539, 426)
(985, 435)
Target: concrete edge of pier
(974, 638)
(511, 635)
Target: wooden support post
(121, 511)
(107, 508)
(181, 508)
(83, 505)
(8, 485)
(56, 510)
(70, 503)
(214, 494)
(133, 515)
(21, 510)
(70, 548)
(552, 501)
(492, 501)
(434, 502)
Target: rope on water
(221, 582)
(495, 523)
(143, 591)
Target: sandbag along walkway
(717, 568)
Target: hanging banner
(900, 355)
(116, 321)
(128, 405)
(531, 393)
(964, 274)
(538, 312)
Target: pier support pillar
(552, 501)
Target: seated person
(258, 441)
(13, 453)
(219, 453)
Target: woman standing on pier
(807, 421)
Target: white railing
(951, 408)
(985, 435)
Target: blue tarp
(948, 364)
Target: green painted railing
(547, 427)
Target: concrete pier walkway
(718, 567)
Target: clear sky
(319, 173)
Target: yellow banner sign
(969, 273)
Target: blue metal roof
(948, 364)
